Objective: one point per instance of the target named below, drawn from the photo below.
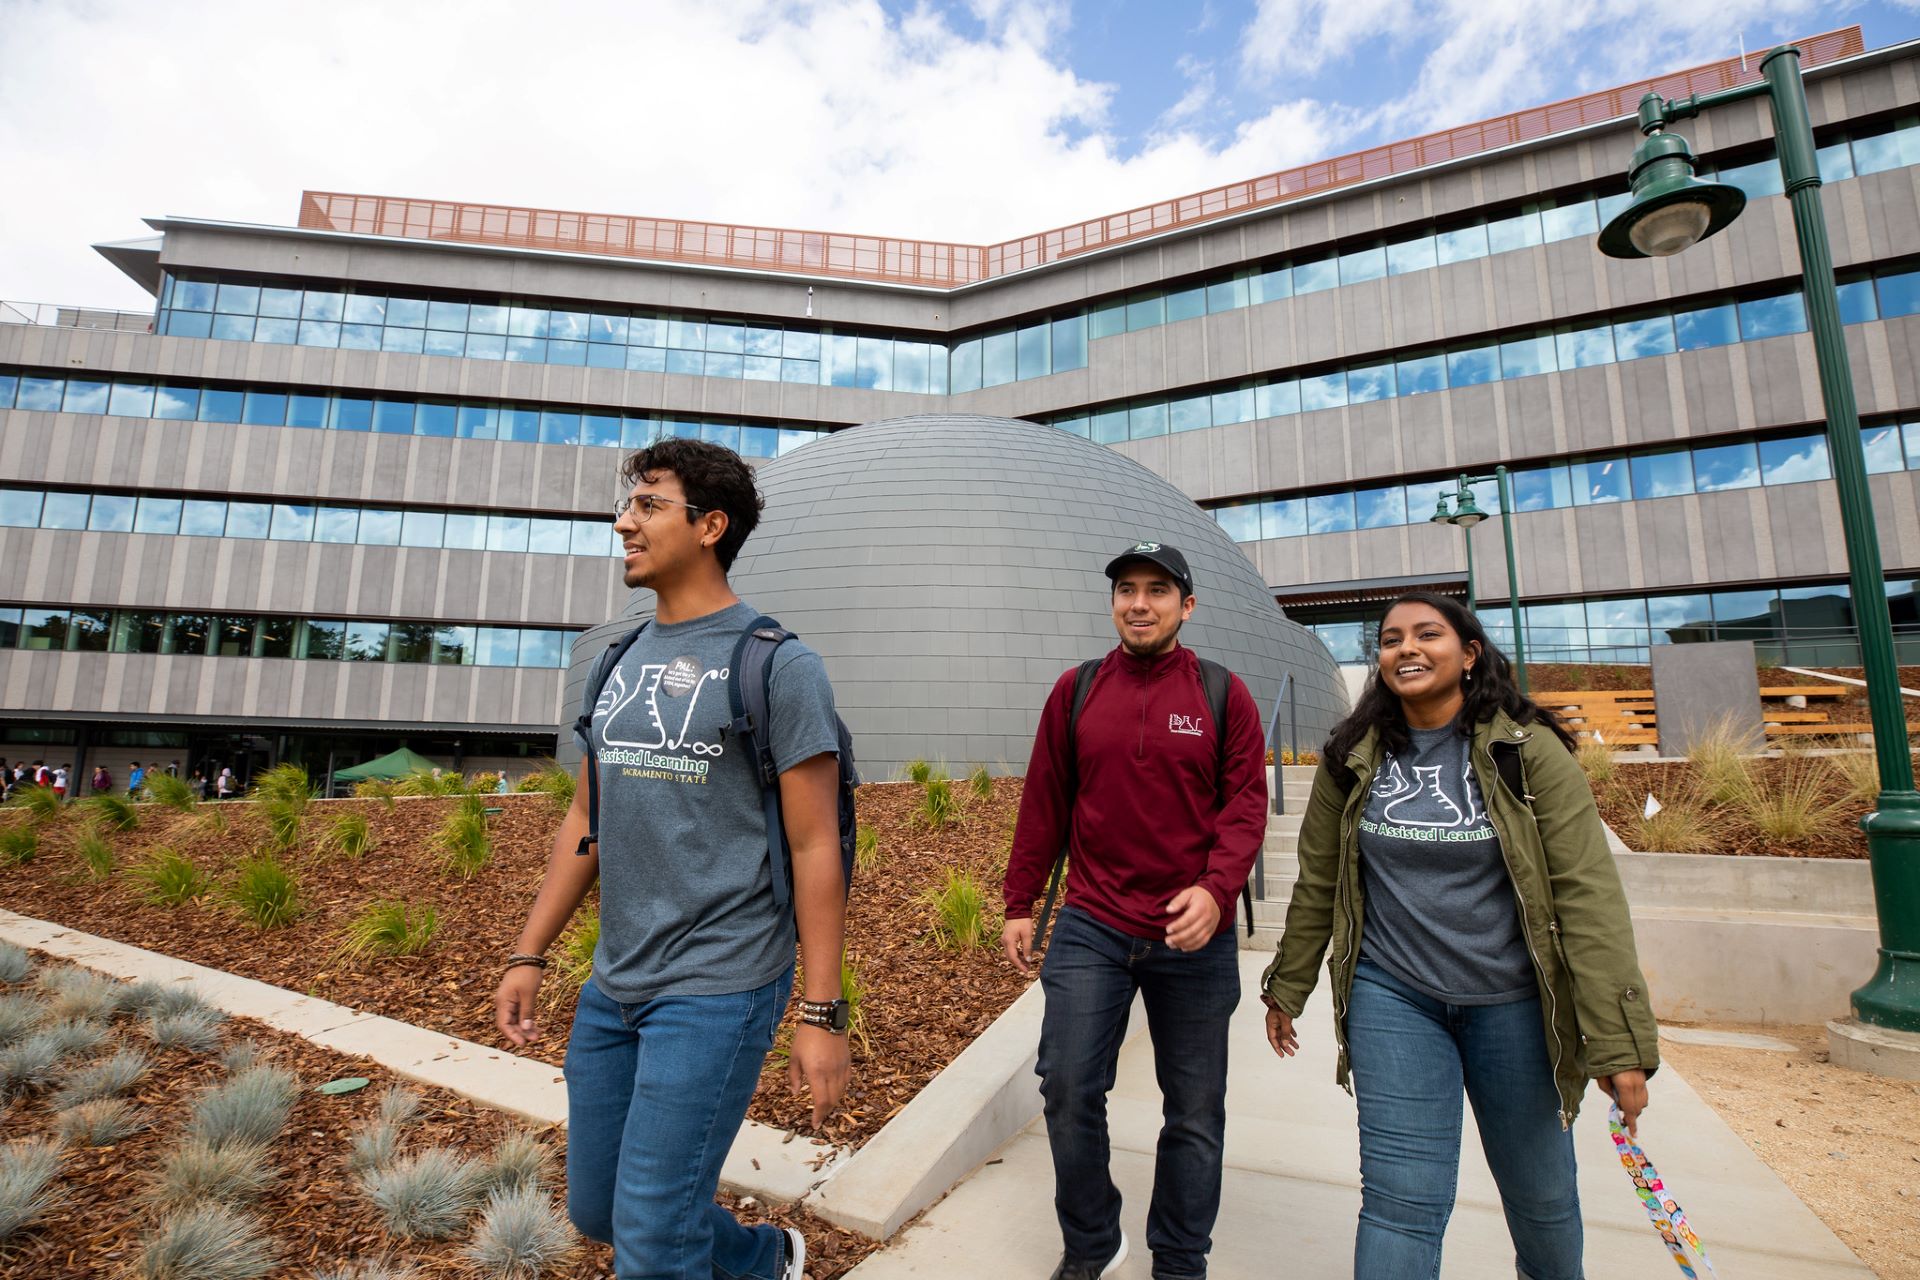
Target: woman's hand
(1628, 1089)
(1280, 1034)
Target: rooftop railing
(68, 317)
(941, 265)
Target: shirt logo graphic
(680, 676)
(643, 700)
(1146, 548)
(1188, 725)
(1400, 792)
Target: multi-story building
(348, 482)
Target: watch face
(842, 1013)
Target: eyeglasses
(648, 503)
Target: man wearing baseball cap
(1149, 772)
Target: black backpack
(1215, 680)
(748, 698)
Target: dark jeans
(1412, 1057)
(1090, 977)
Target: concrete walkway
(1292, 1189)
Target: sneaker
(796, 1267)
(1092, 1270)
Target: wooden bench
(1804, 691)
(1621, 717)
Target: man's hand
(1628, 1089)
(1280, 1034)
(1196, 918)
(513, 1004)
(1016, 942)
(822, 1060)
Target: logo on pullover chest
(1191, 726)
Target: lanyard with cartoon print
(1668, 1218)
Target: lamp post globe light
(1466, 513)
(1671, 211)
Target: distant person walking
(1452, 855)
(60, 777)
(102, 779)
(198, 781)
(226, 784)
(1161, 800)
(136, 777)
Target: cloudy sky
(969, 120)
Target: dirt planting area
(1797, 806)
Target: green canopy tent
(395, 764)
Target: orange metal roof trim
(934, 264)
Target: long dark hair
(1491, 691)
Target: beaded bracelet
(518, 958)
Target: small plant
(1682, 825)
(242, 1055)
(197, 1172)
(15, 964)
(70, 1039)
(95, 852)
(41, 803)
(519, 1160)
(76, 993)
(521, 1237)
(1792, 805)
(27, 1171)
(373, 1148)
(939, 806)
(172, 791)
(110, 812)
(960, 912)
(184, 999)
(464, 844)
(556, 783)
(367, 1271)
(349, 836)
(211, 823)
(108, 1079)
(853, 989)
(170, 877)
(196, 1031)
(866, 848)
(1859, 774)
(389, 929)
(981, 782)
(919, 771)
(574, 963)
(250, 1109)
(1720, 766)
(285, 821)
(28, 1065)
(1597, 759)
(19, 1015)
(211, 1242)
(375, 789)
(18, 845)
(140, 997)
(399, 1106)
(264, 891)
(285, 782)
(104, 1122)
(428, 1196)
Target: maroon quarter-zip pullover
(1158, 807)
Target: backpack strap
(750, 699)
(1082, 681)
(583, 731)
(1507, 762)
(1217, 681)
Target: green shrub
(422, 782)
(521, 1236)
(575, 961)
(197, 1172)
(110, 812)
(375, 789)
(18, 845)
(866, 848)
(428, 1196)
(41, 803)
(197, 1031)
(463, 841)
(264, 892)
(552, 780)
(108, 1079)
(248, 1110)
(919, 771)
(389, 929)
(170, 877)
(349, 835)
(27, 1171)
(95, 853)
(1790, 805)
(172, 791)
(212, 822)
(211, 1242)
(104, 1122)
(853, 989)
(940, 805)
(981, 781)
(959, 909)
(15, 964)
(287, 783)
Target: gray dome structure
(949, 567)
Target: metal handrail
(65, 316)
(1287, 695)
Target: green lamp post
(1671, 211)
(1466, 513)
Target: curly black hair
(713, 478)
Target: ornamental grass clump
(170, 877)
(101, 1080)
(183, 999)
(28, 1065)
(71, 1038)
(389, 929)
(1596, 759)
(264, 891)
(78, 994)
(197, 1172)
(519, 1160)
(211, 1242)
(94, 852)
(19, 1016)
(27, 1171)
(104, 1122)
(172, 791)
(1720, 766)
(1792, 804)
(866, 848)
(1682, 825)
(15, 964)
(196, 1031)
(959, 910)
(41, 803)
(376, 1144)
(462, 840)
(553, 782)
(349, 835)
(18, 845)
(981, 782)
(427, 1196)
(242, 1055)
(141, 997)
(248, 1110)
(521, 1236)
(286, 782)
(110, 812)
(573, 964)
(919, 771)
(941, 804)
(853, 989)
(1859, 773)
(379, 1270)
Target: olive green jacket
(1593, 998)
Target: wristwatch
(830, 1015)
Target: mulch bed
(923, 1003)
(315, 1211)
(1623, 798)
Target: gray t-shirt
(686, 888)
(1440, 914)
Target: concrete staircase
(1279, 860)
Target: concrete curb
(764, 1161)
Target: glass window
(1881, 444)
(1370, 382)
(1032, 347)
(506, 533)
(487, 346)
(1411, 255)
(1520, 231)
(220, 406)
(365, 642)
(321, 305)
(283, 332)
(1380, 508)
(306, 411)
(1662, 475)
(453, 646)
(559, 427)
(1744, 615)
(996, 359)
(1186, 304)
(1236, 405)
(410, 641)
(321, 640)
(351, 413)
(600, 429)
(1525, 356)
(910, 362)
(1857, 304)
(477, 422)
(324, 333)
(1144, 310)
(542, 648)
(64, 511)
(238, 300)
(88, 630)
(248, 519)
(1107, 320)
(1109, 426)
(85, 397)
(1271, 286)
(468, 532)
(421, 528)
(964, 363)
(1241, 521)
(1580, 348)
(379, 528)
(497, 646)
(1146, 418)
(1793, 460)
(1330, 512)
(203, 519)
(1759, 179)
(1418, 374)
(1879, 148)
(112, 513)
(1912, 433)
(1899, 294)
(1283, 518)
(1461, 244)
(1835, 162)
(336, 524)
(1312, 277)
(1470, 366)
(517, 423)
(190, 633)
(365, 310)
(138, 632)
(1363, 264)
(1726, 466)
(188, 324)
(41, 393)
(1707, 327)
(157, 515)
(1542, 488)
(393, 417)
(1327, 391)
(265, 409)
(434, 419)
(9, 383)
(129, 400)
(1069, 344)
(549, 537)
(1190, 413)
(1679, 619)
(1771, 317)
(180, 404)
(1275, 399)
(192, 295)
(43, 629)
(1556, 631)
(1651, 336)
(1621, 622)
(1600, 480)
(1566, 221)
(19, 508)
(1228, 295)
(589, 538)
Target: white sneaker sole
(796, 1268)
(1119, 1256)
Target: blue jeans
(1411, 1055)
(1090, 976)
(656, 1092)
